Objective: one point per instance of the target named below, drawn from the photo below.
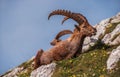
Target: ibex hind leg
(37, 59)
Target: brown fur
(70, 47)
(37, 58)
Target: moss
(24, 75)
(111, 27)
(101, 36)
(26, 64)
(26, 72)
(91, 64)
(99, 45)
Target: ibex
(67, 48)
(56, 40)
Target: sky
(25, 28)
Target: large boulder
(113, 58)
(44, 70)
(111, 37)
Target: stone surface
(116, 41)
(108, 37)
(14, 72)
(113, 58)
(116, 18)
(44, 70)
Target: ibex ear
(77, 27)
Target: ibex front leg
(72, 53)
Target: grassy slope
(91, 64)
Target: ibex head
(61, 33)
(83, 25)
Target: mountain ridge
(105, 41)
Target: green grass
(28, 68)
(91, 64)
(111, 27)
(99, 45)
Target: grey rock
(113, 58)
(116, 41)
(116, 18)
(108, 37)
(90, 41)
(14, 72)
(44, 71)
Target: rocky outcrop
(113, 58)
(23, 68)
(44, 71)
(14, 72)
(113, 37)
(108, 31)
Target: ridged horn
(65, 18)
(79, 18)
(64, 32)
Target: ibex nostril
(95, 29)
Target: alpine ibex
(67, 48)
(56, 40)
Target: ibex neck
(77, 39)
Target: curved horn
(76, 26)
(64, 32)
(66, 18)
(79, 18)
(61, 33)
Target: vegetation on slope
(91, 64)
(109, 29)
(27, 69)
